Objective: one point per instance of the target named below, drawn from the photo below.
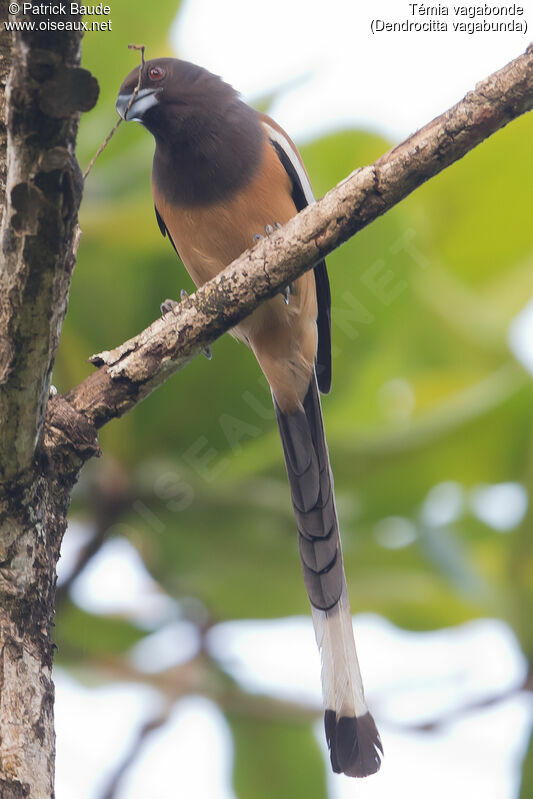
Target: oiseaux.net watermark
(58, 17)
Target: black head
(173, 91)
(208, 142)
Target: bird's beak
(145, 99)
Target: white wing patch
(279, 138)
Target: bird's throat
(205, 164)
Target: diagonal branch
(130, 372)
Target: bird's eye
(156, 73)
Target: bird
(224, 175)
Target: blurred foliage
(85, 636)
(300, 776)
(425, 391)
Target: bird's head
(171, 92)
(201, 128)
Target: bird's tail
(353, 740)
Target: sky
(328, 71)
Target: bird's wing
(302, 195)
(164, 230)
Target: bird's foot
(287, 291)
(168, 306)
(269, 229)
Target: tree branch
(131, 371)
(129, 759)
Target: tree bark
(41, 185)
(5, 63)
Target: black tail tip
(354, 744)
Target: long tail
(353, 740)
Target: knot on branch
(27, 201)
(69, 438)
(71, 89)
(13, 789)
(41, 206)
(53, 159)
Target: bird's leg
(168, 306)
(269, 229)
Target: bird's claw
(269, 229)
(168, 306)
(287, 291)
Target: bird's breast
(209, 237)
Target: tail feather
(353, 740)
(351, 733)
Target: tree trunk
(33, 521)
(41, 190)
